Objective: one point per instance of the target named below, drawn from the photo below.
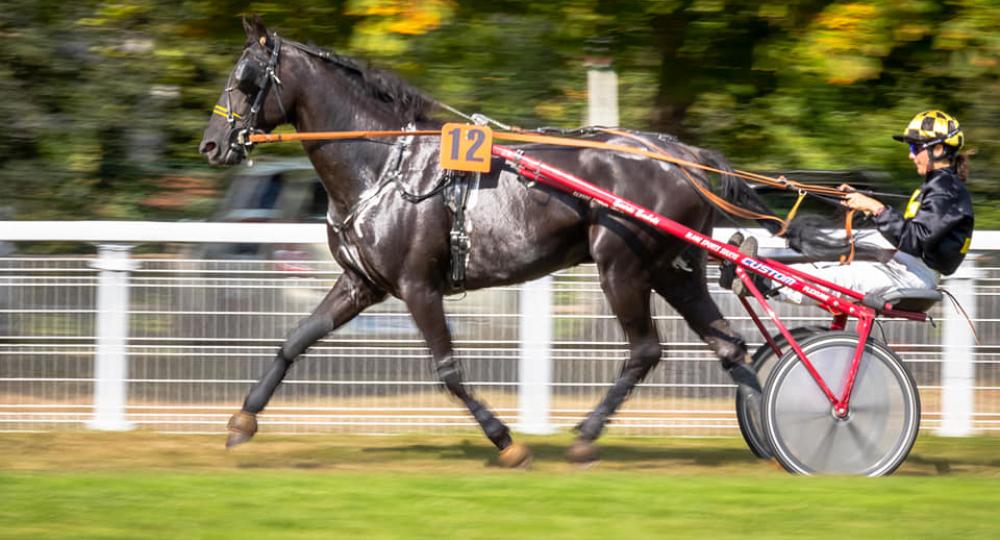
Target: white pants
(903, 271)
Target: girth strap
(456, 197)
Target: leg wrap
(645, 356)
(449, 371)
(496, 431)
(305, 334)
(732, 352)
(727, 345)
(261, 392)
(590, 429)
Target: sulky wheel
(748, 407)
(879, 429)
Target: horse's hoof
(582, 452)
(242, 427)
(516, 455)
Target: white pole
(602, 93)
(958, 371)
(111, 360)
(535, 367)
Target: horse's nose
(207, 147)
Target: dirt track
(469, 453)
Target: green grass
(62, 486)
(600, 505)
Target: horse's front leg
(349, 296)
(426, 307)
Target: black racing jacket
(936, 224)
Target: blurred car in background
(243, 283)
(281, 191)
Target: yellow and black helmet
(933, 127)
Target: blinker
(248, 77)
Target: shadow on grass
(545, 451)
(929, 458)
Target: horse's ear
(255, 29)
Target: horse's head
(253, 99)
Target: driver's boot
(767, 288)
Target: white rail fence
(116, 340)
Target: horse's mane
(383, 87)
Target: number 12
(477, 137)
(466, 147)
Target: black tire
(748, 411)
(880, 429)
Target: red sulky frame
(813, 287)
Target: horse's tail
(810, 235)
(739, 193)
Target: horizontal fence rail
(172, 341)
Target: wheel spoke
(867, 447)
(825, 447)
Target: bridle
(254, 78)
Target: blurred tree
(105, 98)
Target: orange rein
(657, 153)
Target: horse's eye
(247, 78)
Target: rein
(520, 136)
(657, 153)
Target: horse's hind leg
(687, 292)
(625, 282)
(349, 296)
(425, 305)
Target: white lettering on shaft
(817, 294)
(711, 245)
(767, 271)
(628, 209)
(624, 207)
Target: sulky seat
(919, 300)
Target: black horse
(390, 242)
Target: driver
(931, 234)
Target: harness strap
(456, 198)
(225, 113)
(791, 213)
(391, 173)
(444, 179)
(849, 228)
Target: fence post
(535, 364)
(958, 371)
(602, 92)
(111, 360)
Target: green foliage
(106, 98)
